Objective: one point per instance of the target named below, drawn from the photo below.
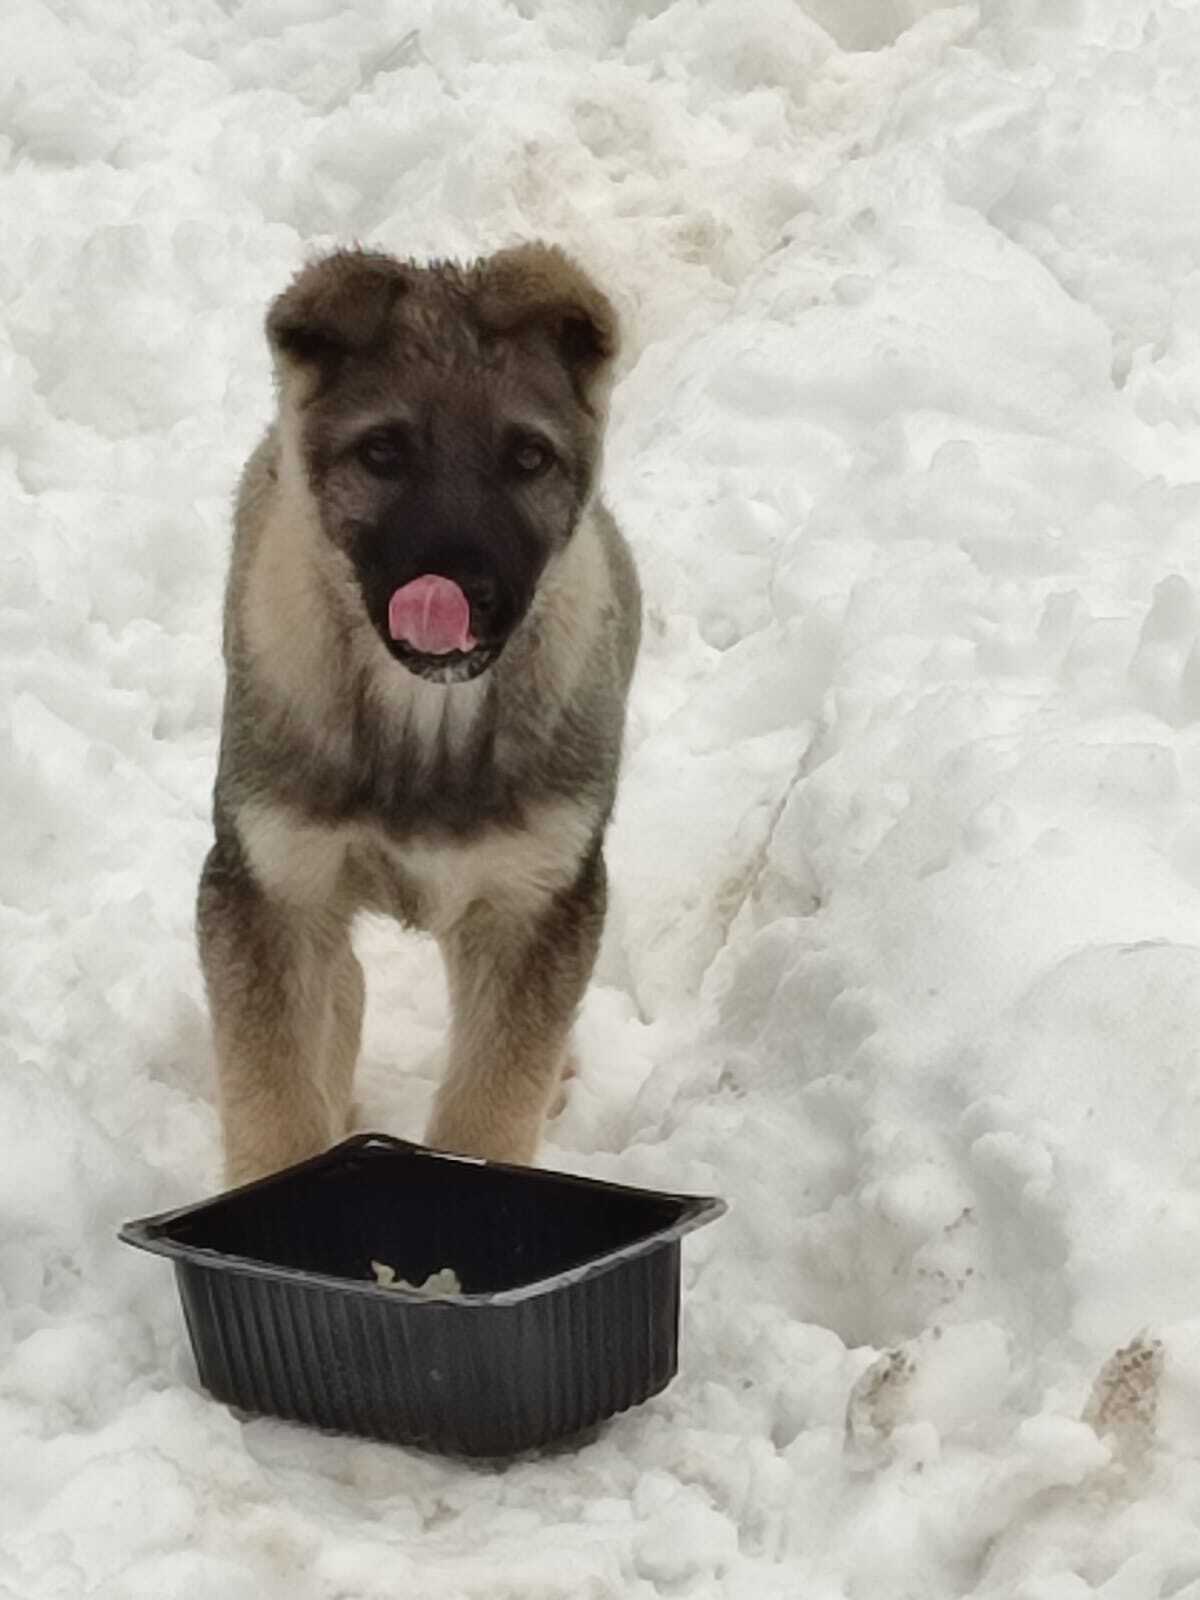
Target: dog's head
(448, 420)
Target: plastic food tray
(569, 1311)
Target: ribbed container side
(480, 1381)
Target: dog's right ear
(335, 307)
(539, 285)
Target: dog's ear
(336, 306)
(538, 285)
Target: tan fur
(297, 860)
(289, 603)
(299, 1028)
(568, 621)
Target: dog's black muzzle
(498, 585)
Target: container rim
(151, 1233)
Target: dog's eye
(382, 453)
(531, 458)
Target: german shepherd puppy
(430, 627)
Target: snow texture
(904, 956)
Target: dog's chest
(429, 881)
(513, 870)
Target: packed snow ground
(904, 956)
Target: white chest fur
(513, 870)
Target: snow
(904, 955)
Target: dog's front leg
(515, 985)
(285, 994)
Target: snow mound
(904, 952)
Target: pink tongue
(432, 615)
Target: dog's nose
(484, 597)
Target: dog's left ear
(538, 285)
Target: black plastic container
(569, 1311)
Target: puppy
(431, 622)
